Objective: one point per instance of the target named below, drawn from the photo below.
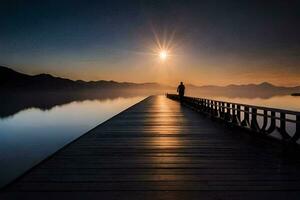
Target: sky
(207, 42)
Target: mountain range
(13, 80)
(256, 89)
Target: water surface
(29, 135)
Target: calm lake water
(30, 135)
(32, 127)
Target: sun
(163, 54)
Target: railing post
(214, 108)
(297, 133)
(273, 123)
(213, 111)
(207, 106)
(265, 122)
(199, 105)
(221, 109)
(282, 129)
(218, 109)
(229, 105)
(246, 117)
(225, 111)
(254, 124)
(238, 113)
(234, 113)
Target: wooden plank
(150, 195)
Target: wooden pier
(159, 149)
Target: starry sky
(208, 42)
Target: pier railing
(279, 123)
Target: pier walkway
(158, 149)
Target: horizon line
(163, 84)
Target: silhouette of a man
(180, 90)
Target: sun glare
(164, 49)
(163, 55)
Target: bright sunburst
(164, 46)
(163, 54)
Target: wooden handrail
(232, 113)
(290, 112)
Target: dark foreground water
(29, 135)
(33, 126)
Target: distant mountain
(12, 80)
(264, 89)
(262, 86)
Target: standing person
(180, 90)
